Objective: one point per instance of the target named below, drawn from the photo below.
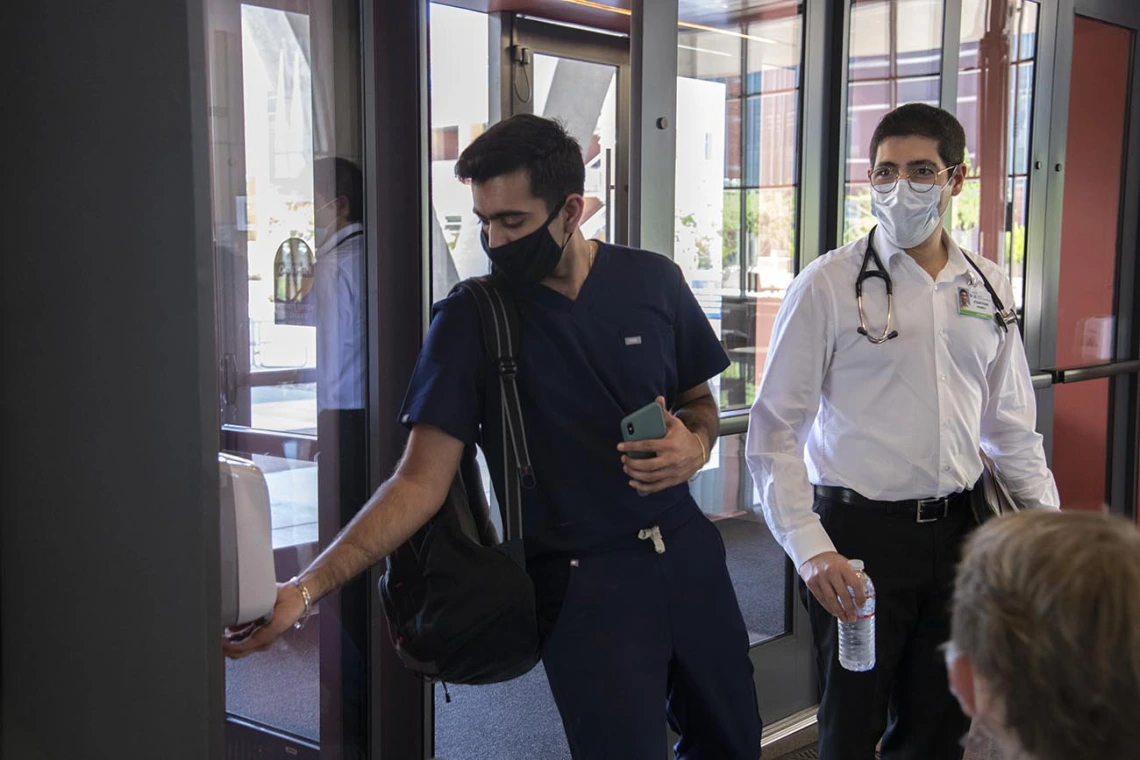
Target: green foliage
(857, 220)
(770, 217)
(967, 206)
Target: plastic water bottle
(857, 640)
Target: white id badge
(975, 302)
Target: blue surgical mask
(907, 218)
(324, 232)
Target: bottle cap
(856, 565)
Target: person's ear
(572, 212)
(958, 179)
(963, 682)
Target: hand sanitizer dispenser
(249, 582)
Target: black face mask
(530, 259)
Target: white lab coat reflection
(339, 289)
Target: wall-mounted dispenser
(249, 582)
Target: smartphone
(646, 424)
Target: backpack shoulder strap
(500, 324)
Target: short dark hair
(924, 121)
(551, 156)
(336, 177)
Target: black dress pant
(905, 701)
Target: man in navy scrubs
(636, 606)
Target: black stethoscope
(1004, 318)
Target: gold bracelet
(308, 603)
(704, 450)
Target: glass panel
(894, 57)
(1098, 106)
(459, 107)
(522, 711)
(583, 96)
(996, 66)
(736, 199)
(736, 213)
(288, 227)
(733, 142)
(277, 85)
(1080, 442)
(757, 564)
(459, 113)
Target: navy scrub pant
(633, 633)
(905, 701)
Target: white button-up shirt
(896, 421)
(338, 283)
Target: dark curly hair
(924, 121)
(552, 158)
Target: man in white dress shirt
(864, 439)
(342, 466)
(338, 283)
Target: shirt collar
(956, 264)
(338, 237)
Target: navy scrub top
(636, 332)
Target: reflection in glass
(459, 77)
(738, 133)
(726, 494)
(583, 96)
(277, 110)
(996, 74)
(894, 57)
(288, 197)
(738, 129)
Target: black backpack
(459, 602)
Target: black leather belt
(920, 510)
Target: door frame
(519, 38)
(1124, 372)
(231, 259)
(342, 730)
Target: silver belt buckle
(920, 512)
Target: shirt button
(943, 331)
(946, 468)
(942, 378)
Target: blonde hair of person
(1045, 639)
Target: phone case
(646, 424)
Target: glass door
(289, 244)
(997, 76)
(1091, 338)
(582, 79)
(737, 219)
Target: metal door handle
(609, 196)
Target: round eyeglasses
(922, 179)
